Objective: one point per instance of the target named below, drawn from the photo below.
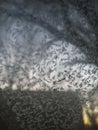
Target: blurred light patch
(90, 116)
(3, 85)
(14, 87)
(86, 118)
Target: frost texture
(36, 54)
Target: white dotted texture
(31, 57)
(34, 57)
